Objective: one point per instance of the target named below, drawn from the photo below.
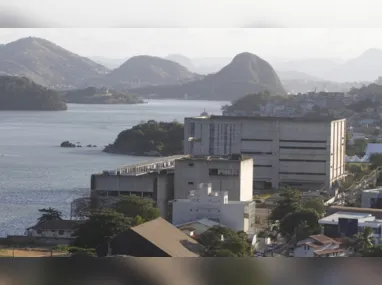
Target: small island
(93, 95)
(22, 94)
(150, 138)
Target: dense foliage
(93, 95)
(357, 148)
(150, 138)
(18, 93)
(234, 244)
(250, 102)
(139, 209)
(49, 214)
(297, 217)
(104, 224)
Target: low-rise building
(214, 205)
(195, 228)
(151, 179)
(347, 224)
(319, 246)
(372, 198)
(62, 229)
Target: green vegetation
(49, 214)
(19, 93)
(357, 148)
(250, 102)
(297, 217)
(92, 95)
(104, 224)
(149, 139)
(234, 244)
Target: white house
(319, 246)
(61, 229)
(204, 203)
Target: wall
(303, 251)
(190, 173)
(51, 233)
(26, 240)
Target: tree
(133, 206)
(49, 214)
(301, 223)
(224, 242)
(363, 240)
(315, 204)
(375, 160)
(290, 202)
(101, 227)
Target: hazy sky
(270, 43)
(335, 18)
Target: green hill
(18, 93)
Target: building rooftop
(261, 118)
(361, 217)
(375, 212)
(168, 238)
(376, 190)
(233, 157)
(57, 225)
(198, 227)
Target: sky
(269, 43)
(273, 29)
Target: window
(191, 164)
(190, 183)
(213, 171)
(301, 147)
(112, 193)
(61, 232)
(39, 232)
(53, 231)
(302, 173)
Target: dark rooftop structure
(57, 225)
(156, 238)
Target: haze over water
(35, 172)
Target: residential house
(319, 246)
(54, 229)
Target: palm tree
(364, 240)
(49, 215)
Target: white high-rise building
(298, 152)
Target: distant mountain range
(47, 64)
(177, 76)
(147, 70)
(247, 73)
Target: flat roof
(261, 118)
(216, 157)
(347, 215)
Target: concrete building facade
(203, 203)
(152, 179)
(299, 152)
(233, 174)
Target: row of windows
(60, 232)
(302, 173)
(224, 172)
(102, 193)
(256, 152)
(286, 141)
(302, 147)
(262, 165)
(303, 160)
(256, 140)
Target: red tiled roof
(322, 239)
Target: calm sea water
(35, 172)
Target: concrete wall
(190, 173)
